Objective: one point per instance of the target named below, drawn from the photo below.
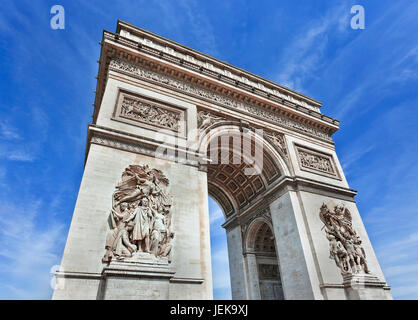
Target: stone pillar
(186, 276)
(254, 292)
(236, 263)
(298, 279)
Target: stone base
(146, 258)
(364, 287)
(143, 276)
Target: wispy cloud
(306, 54)
(200, 26)
(351, 157)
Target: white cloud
(401, 270)
(353, 156)
(8, 132)
(409, 292)
(15, 152)
(28, 251)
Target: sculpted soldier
(165, 250)
(125, 216)
(361, 254)
(338, 252)
(143, 224)
(159, 232)
(118, 244)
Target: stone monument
(171, 126)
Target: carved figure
(137, 109)
(206, 119)
(345, 244)
(118, 244)
(143, 222)
(278, 140)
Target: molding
(187, 280)
(285, 184)
(332, 285)
(286, 120)
(141, 145)
(78, 275)
(245, 220)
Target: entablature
(132, 55)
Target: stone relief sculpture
(278, 140)
(344, 243)
(149, 113)
(206, 119)
(140, 217)
(315, 162)
(191, 89)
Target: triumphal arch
(172, 126)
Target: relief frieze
(191, 89)
(316, 162)
(139, 110)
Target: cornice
(117, 46)
(204, 61)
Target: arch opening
(221, 281)
(263, 262)
(236, 192)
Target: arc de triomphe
(171, 126)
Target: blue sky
(367, 79)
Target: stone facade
(172, 126)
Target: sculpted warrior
(206, 119)
(338, 252)
(118, 244)
(161, 235)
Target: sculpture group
(140, 217)
(344, 242)
(315, 162)
(147, 112)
